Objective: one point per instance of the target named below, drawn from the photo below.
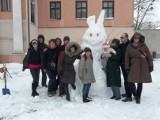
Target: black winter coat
(50, 61)
(33, 57)
(123, 47)
(113, 69)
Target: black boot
(85, 100)
(73, 86)
(127, 99)
(67, 95)
(34, 87)
(138, 101)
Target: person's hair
(115, 40)
(126, 34)
(86, 50)
(59, 40)
(52, 40)
(75, 47)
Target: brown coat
(138, 66)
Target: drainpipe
(28, 11)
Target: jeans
(44, 77)
(35, 74)
(52, 85)
(116, 91)
(128, 86)
(86, 88)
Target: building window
(33, 11)
(55, 10)
(6, 5)
(81, 9)
(108, 6)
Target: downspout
(28, 22)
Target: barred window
(55, 10)
(81, 9)
(33, 11)
(108, 6)
(6, 5)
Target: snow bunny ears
(95, 35)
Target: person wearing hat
(61, 49)
(34, 61)
(113, 70)
(86, 74)
(106, 53)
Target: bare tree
(142, 9)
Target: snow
(21, 106)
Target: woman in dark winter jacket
(86, 75)
(113, 70)
(66, 67)
(139, 63)
(43, 47)
(61, 49)
(33, 61)
(50, 66)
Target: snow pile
(21, 106)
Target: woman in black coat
(50, 66)
(66, 67)
(33, 61)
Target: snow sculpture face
(95, 35)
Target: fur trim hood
(71, 44)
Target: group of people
(136, 63)
(56, 60)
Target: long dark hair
(85, 50)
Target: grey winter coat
(85, 70)
(66, 66)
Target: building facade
(22, 20)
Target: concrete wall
(123, 13)
(6, 36)
(152, 39)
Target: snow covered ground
(21, 106)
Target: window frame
(107, 8)
(9, 6)
(55, 16)
(33, 18)
(86, 8)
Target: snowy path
(21, 106)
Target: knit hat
(66, 38)
(87, 49)
(105, 45)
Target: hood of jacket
(71, 44)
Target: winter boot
(85, 100)
(127, 99)
(67, 95)
(138, 101)
(34, 92)
(73, 86)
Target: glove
(150, 69)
